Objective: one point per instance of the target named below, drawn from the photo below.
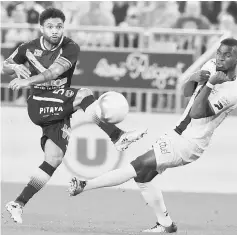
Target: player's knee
(53, 154)
(54, 159)
(84, 92)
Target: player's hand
(218, 78)
(200, 76)
(19, 83)
(21, 70)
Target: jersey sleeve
(19, 55)
(219, 102)
(69, 54)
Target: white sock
(112, 178)
(154, 198)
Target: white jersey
(223, 99)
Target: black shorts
(58, 132)
(52, 111)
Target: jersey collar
(44, 48)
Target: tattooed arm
(51, 73)
(55, 70)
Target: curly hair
(51, 13)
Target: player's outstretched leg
(109, 179)
(137, 168)
(121, 139)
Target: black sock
(110, 129)
(88, 104)
(37, 181)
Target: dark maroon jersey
(38, 58)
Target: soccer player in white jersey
(214, 96)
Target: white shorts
(173, 150)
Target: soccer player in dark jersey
(46, 65)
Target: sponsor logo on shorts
(219, 105)
(164, 146)
(50, 110)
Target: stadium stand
(130, 40)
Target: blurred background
(142, 49)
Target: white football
(112, 107)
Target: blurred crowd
(161, 14)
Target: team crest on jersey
(38, 52)
(69, 93)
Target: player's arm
(191, 83)
(8, 66)
(14, 65)
(60, 65)
(54, 71)
(66, 60)
(202, 107)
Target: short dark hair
(51, 13)
(229, 42)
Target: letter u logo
(84, 155)
(90, 152)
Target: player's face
(226, 58)
(52, 30)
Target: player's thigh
(81, 94)
(59, 133)
(167, 154)
(53, 153)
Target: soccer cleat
(15, 209)
(76, 186)
(128, 138)
(158, 228)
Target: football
(112, 107)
